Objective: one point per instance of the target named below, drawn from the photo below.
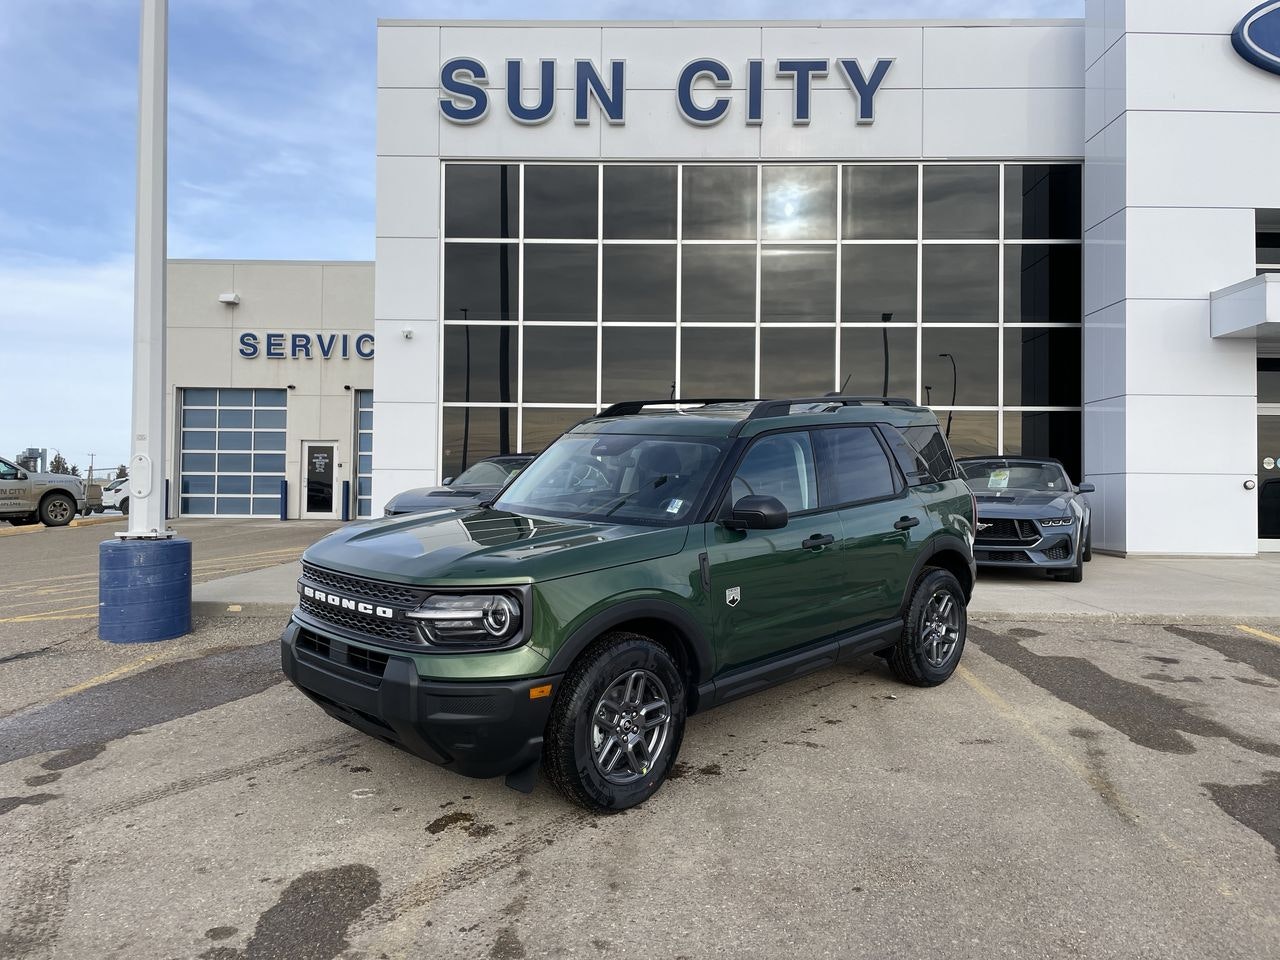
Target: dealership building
(1055, 233)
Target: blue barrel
(144, 590)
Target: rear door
(884, 523)
(774, 590)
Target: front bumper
(1052, 552)
(477, 729)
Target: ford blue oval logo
(1257, 36)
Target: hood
(425, 496)
(60, 478)
(479, 546)
(1024, 503)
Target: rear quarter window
(854, 466)
(923, 454)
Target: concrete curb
(247, 611)
(1151, 619)
(77, 522)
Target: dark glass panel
(976, 366)
(961, 202)
(717, 363)
(640, 283)
(270, 419)
(198, 439)
(798, 284)
(719, 203)
(199, 398)
(200, 418)
(639, 202)
(197, 506)
(233, 506)
(232, 484)
(855, 466)
(799, 203)
(560, 202)
(1268, 228)
(638, 363)
(718, 283)
(482, 200)
(559, 364)
(473, 433)
(1041, 367)
(268, 440)
(796, 363)
(269, 485)
(268, 463)
(1055, 435)
(480, 364)
(235, 398)
(365, 444)
(198, 461)
(197, 483)
(863, 352)
(560, 281)
(970, 434)
(961, 284)
(1042, 202)
(235, 440)
(269, 398)
(267, 506)
(542, 427)
(480, 281)
(235, 462)
(1042, 284)
(881, 202)
(1269, 379)
(364, 420)
(878, 280)
(235, 418)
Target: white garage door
(232, 452)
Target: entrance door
(320, 499)
(1269, 478)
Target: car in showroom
(477, 483)
(29, 496)
(659, 559)
(1030, 515)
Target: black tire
(1088, 546)
(912, 658)
(57, 510)
(1074, 575)
(568, 755)
(123, 506)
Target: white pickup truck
(26, 497)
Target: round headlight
(468, 618)
(501, 616)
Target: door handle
(818, 540)
(906, 523)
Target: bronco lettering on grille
(346, 603)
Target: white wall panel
(409, 56)
(192, 293)
(1105, 172)
(347, 296)
(277, 296)
(404, 434)
(1003, 56)
(1105, 425)
(835, 133)
(498, 136)
(408, 200)
(1184, 16)
(904, 45)
(406, 367)
(656, 55)
(1157, 75)
(1224, 514)
(656, 129)
(494, 46)
(1021, 123)
(1192, 435)
(1188, 252)
(1104, 263)
(1104, 353)
(408, 123)
(1173, 354)
(406, 281)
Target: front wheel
(617, 724)
(57, 510)
(123, 506)
(933, 638)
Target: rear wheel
(1088, 546)
(57, 510)
(124, 506)
(617, 724)
(933, 638)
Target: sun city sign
(466, 99)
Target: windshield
(486, 473)
(997, 475)
(616, 478)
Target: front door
(1269, 478)
(15, 489)
(773, 590)
(320, 499)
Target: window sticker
(999, 480)
(674, 506)
(1269, 463)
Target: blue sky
(271, 155)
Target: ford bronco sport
(650, 564)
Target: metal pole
(146, 465)
(955, 386)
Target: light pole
(466, 389)
(954, 377)
(144, 576)
(886, 318)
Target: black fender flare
(699, 646)
(938, 544)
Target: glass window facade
(231, 452)
(956, 285)
(364, 453)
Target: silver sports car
(1030, 515)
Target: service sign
(701, 89)
(306, 346)
(1257, 36)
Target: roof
(732, 418)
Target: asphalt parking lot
(1079, 789)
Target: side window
(8, 471)
(923, 454)
(779, 466)
(854, 465)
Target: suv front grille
(399, 631)
(378, 592)
(394, 594)
(1004, 531)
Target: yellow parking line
(112, 674)
(41, 616)
(1258, 633)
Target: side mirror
(22, 475)
(1086, 488)
(757, 513)
(446, 481)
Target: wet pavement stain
(311, 919)
(1168, 660)
(1255, 682)
(66, 759)
(507, 946)
(139, 700)
(221, 933)
(1147, 717)
(1025, 632)
(681, 769)
(1262, 655)
(710, 770)
(24, 655)
(1100, 779)
(1256, 806)
(41, 779)
(1165, 678)
(441, 824)
(9, 804)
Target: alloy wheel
(630, 726)
(940, 629)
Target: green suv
(658, 559)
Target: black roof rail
(781, 408)
(629, 408)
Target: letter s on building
(248, 345)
